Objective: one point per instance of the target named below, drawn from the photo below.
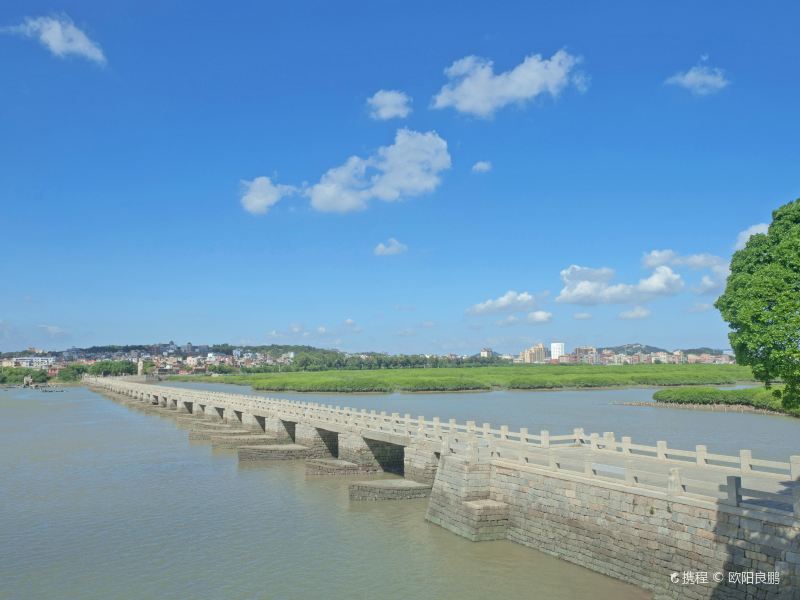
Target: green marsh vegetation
(757, 397)
(516, 377)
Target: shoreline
(744, 383)
(719, 407)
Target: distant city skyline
(572, 174)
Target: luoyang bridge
(636, 512)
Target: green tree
(761, 303)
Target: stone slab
(234, 441)
(269, 452)
(208, 434)
(336, 467)
(388, 489)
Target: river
(99, 501)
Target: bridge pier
(320, 442)
(282, 431)
(371, 455)
(421, 461)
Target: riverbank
(755, 399)
(518, 377)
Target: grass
(518, 377)
(757, 397)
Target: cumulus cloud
(657, 258)
(510, 301)
(475, 89)
(741, 239)
(588, 286)
(389, 104)
(60, 36)
(701, 79)
(539, 316)
(261, 193)
(411, 166)
(390, 248)
(582, 316)
(637, 312)
(712, 283)
(482, 166)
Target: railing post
(578, 433)
(544, 436)
(486, 429)
(734, 489)
(796, 502)
(594, 440)
(470, 427)
(661, 450)
(504, 432)
(746, 460)
(552, 462)
(626, 444)
(630, 475)
(588, 469)
(523, 435)
(674, 485)
(609, 441)
(794, 467)
(702, 455)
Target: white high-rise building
(557, 350)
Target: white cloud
(482, 166)
(53, 331)
(390, 248)
(584, 285)
(510, 301)
(260, 194)
(60, 36)
(409, 167)
(475, 89)
(657, 258)
(701, 79)
(700, 307)
(539, 316)
(582, 316)
(389, 104)
(713, 283)
(741, 239)
(509, 320)
(637, 312)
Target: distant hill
(703, 350)
(633, 349)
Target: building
(487, 353)
(557, 350)
(534, 354)
(586, 355)
(34, 362)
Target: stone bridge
(644, 514)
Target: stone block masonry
(388, 489)
(272, 452)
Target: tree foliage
(761, 303)
(113, 367)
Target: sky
(387, 176)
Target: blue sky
(219, 173)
